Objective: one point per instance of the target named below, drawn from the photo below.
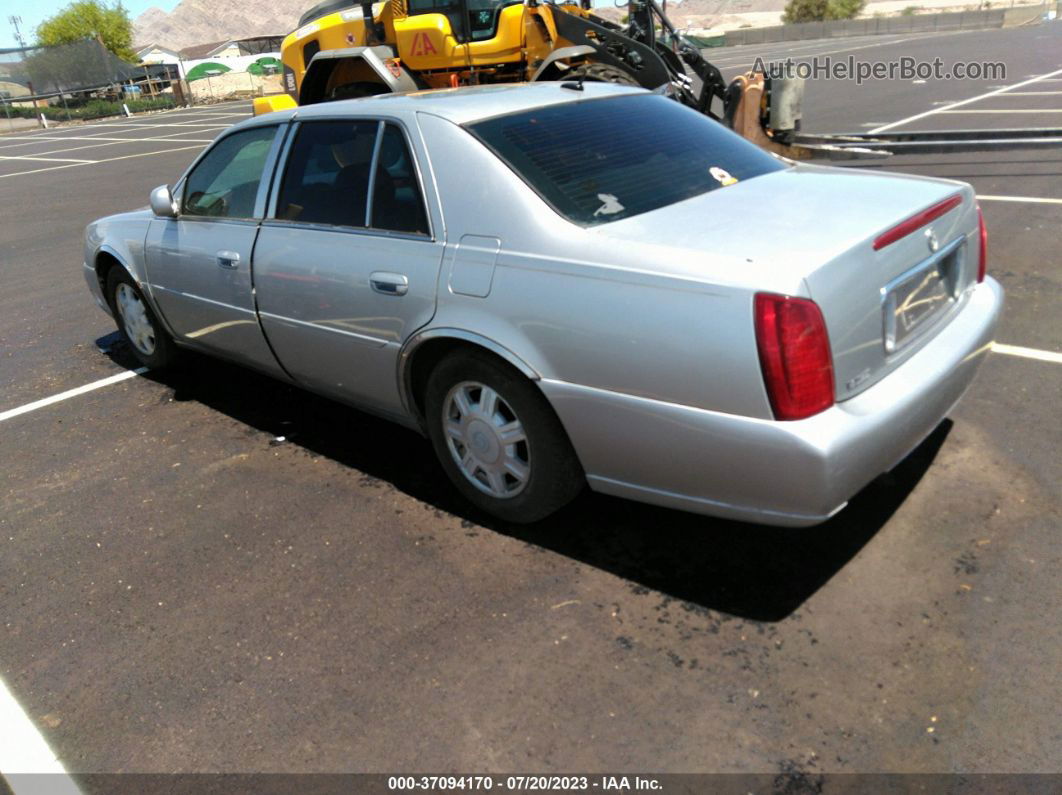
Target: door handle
(228, 259)
(389, 283)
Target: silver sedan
(571, 284)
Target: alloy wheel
(486, 439)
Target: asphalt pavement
(181, 589)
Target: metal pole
(16, 21)
(7, 112)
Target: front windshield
(482, 14)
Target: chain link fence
(869, 26)
(79, 81)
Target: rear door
(199, 264)
(346, 268)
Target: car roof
(459, 105)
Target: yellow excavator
(342, 50)
(354, 48)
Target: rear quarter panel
(580, 307)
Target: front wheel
(602, 73)
(498, 439)
(139, 326)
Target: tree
(91, 19)
(819, 10)
(845, 9)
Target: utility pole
(15, 22)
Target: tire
(137, 323)
(601, 73)
(518, 463)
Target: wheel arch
(426, 349)
(550, 69)
(369, 65)
(107, 258)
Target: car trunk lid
(824, 233)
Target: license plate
(915, 300)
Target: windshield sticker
(610, 205)
(722, 176)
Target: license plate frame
(918, 298)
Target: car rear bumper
(782, 473)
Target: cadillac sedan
(571, 284)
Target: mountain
(200, 21)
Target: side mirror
(162, 202)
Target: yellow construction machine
(354, 48)
(341, 50)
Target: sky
(34, 12)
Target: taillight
(794, 355)
(982, 262)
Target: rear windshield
(604, 159)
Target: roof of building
(203, 50)
(144, 49)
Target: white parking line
(118, 141)
(45, 159)
(81, 390)
(105, 160)
(779, 50)
(1027, 199)
(977, 98)
(1008, 350)
(1027, 353)
(24, 751)
(1007, 110)
(27, 139)
(183, 125)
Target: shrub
(89, 109)
(819, 10)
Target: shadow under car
(756, 572)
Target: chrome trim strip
(677, 500)
(377, 341)
(195, 297)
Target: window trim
(264, 182)
(269, 217)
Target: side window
(225, 183)
(326, 180)
(397, 204)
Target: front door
(199, 264)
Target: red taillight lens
(794, 355)
(916, 222)
(982, 263)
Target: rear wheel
(602, 73)
(498, 439)
(138, 325)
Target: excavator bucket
(767, 112)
